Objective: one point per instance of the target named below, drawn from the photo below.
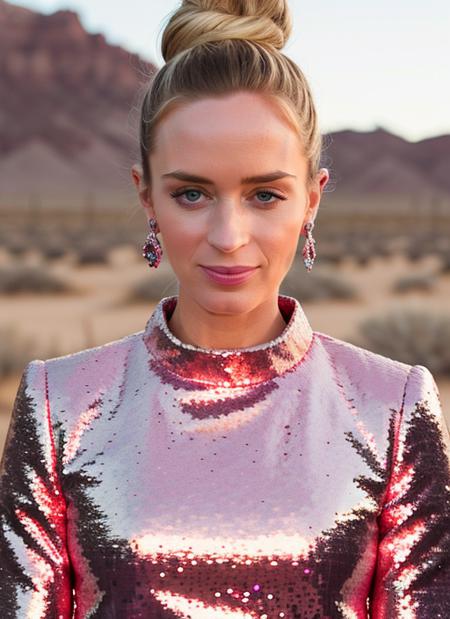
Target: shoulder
(371, 374)
(382, 383)
(344, 352)
(54, 394)
(78, 378)
(89, 358)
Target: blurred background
(72, 76)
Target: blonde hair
(215, 47)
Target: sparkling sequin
(301, 478)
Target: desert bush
(382, 248)
(159, 283)
(445, 261)
(417, 248)
(333, 254)
(415, 254)
(73, 238)
(362, 255)
(16, 246)
(413, 336)
(26, 278)
(53, 250)
(416, 281)
(315, 286)
(92, 251)
(360, 248)
(15, 351)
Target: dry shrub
(413, 336)
(53, 249)
(445, 262)
(16, 245)
(15, 351)
(92, 251)
(19, 277)
(159, 283)
(314, 286)
(331, 253)
(416, 281)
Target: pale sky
(379, 63)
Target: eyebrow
(262, 178)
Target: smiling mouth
(237, 276)
(229, 270)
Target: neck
(230, 366)
(192, 324)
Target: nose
(228, 226)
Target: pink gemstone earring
(152, 250)
(309, 250)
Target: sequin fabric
(302, 478)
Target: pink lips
(229, 275)
(229, 270)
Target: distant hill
(66, 111)
(69, 111)
(380, 162)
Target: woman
(227, 461)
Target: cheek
(180, 236)
(281, 247)
(281, 238)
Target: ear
(315, 194)
(143, 190)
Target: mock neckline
(227, 367)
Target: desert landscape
(71, 271)
(105, 295)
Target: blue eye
(197, 193)
(185, 192)
(192, 191)
(267, 193)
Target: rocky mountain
(69, 104)
(380, 162)
(68, 101)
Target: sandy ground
(96, 313)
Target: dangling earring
(309, 250)
(152, 250)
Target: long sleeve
(412, 577)
(35, 580)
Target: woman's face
(209, 209)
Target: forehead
(232, 128)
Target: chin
(236, 300)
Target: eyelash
(181, 192)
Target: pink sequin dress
(302, 478)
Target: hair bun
(267, 22)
